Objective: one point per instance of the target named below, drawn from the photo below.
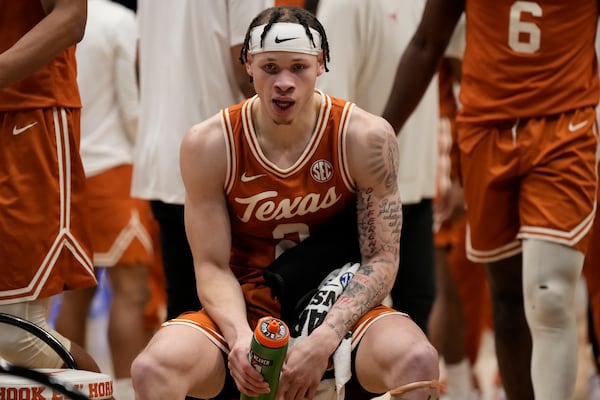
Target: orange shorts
(534, 179)
(121, 224)
(201, 321)
(44, 219)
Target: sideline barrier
(19, 383)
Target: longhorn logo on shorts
(321, 171)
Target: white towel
(313, 315)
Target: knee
(131, 295)
(143, 368)
(136, 297)
(418, 371)
(149, 375)
(417, 363)
(423, 358)
(548, 306)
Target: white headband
(285, 36)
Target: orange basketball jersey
(271, 208)
(53, 85)
(528, 58)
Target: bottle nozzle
(273, 326)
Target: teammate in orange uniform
(261, 176)
(43, 224)
(527, 139)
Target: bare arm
(373, 155)
(420, 60)
(373, 162)
(208, 228)
(63, 26)
(207, 224)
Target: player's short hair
(295, 15)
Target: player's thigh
(505, 279)
(490, 170)
(558, 195)
(189, 357)
(129, 280)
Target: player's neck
(297, 130)
(283, 144)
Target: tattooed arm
(373, 160)
(373, 157)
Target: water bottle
(267, 353)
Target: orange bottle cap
(272, 332)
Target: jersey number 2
(524, 36)
(299, 231)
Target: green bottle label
(267, 360)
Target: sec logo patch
(321, 171)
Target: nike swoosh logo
(574, 127)
(277, 40)
(246, 178)
(18, 131)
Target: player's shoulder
(206, 135)
(363, 125)
(371, 149)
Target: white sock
(459, 380)
(123, 389)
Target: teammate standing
(527, 138)
(121, 237)
(45, 246)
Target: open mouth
(283, 105)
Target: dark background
(132, 4)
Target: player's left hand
(303, 369)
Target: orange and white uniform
(44, 246)
(108, 129)
(273, 209)
(528, 92)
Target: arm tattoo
(383, 153)
(379, 230)
(379, 213)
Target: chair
(74, 383)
